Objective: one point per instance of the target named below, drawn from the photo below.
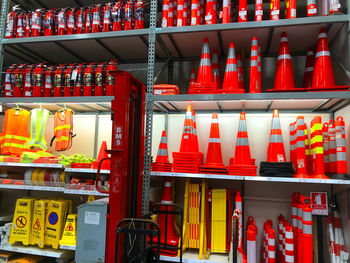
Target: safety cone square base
(202, 88)
(187, 162)
(242, 169)
(287, 90)
(231, 91)
(335, 88)
(161, 167)
(212, 169)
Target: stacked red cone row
(162, 163)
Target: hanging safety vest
(15, 133)
(37, 128)
(63, 129)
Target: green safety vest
(37, 128)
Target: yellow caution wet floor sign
(38, 225)
(22, 222)
(69, 233)
(56, 211)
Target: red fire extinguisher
(127, 17)
(98, 76)
(106, 21)
(111, 69)
(28, 81)
(48, 82)
(18, 76)
(38, 86)
(8, 81)
(87, 80)
(79, 18)
(61, 22)
(67, 81)
(20, 25)
(139, 10)
(96, 19)
(36, 20)
(10, 31)
(71, 21)
(77, 79)
(57, 81)
(49, 22)
(27, 24)
(116, 15)
(88, 20)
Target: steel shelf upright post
(149, 107)
(5, 5)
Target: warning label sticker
(53, 218)
(69, 227)
(21, 221)
(319, 203)
(37, 225)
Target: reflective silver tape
(205, 62)
(162, 152)
(254, 63)
(231, 68)
(166, 202)
(239, 63)
(307, 229)
(284, 39)
(341, 156)
(310, 53)
(289, 234)
(307, 216)
(322, 35)
(215, 140)
(242, 142)
(254, 42)
(300, 144)
(163, 140)
(214, 121)
(284, 56)
(309, 69)
(271, 254)
(275, 138)
(289, 259)
(167, 184)
(254, 53)
(300, 133)
(323, 53)
(270, 242)
(340, 142)
(289, 247)
(332, 158)
(165, 7)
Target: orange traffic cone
(205, 83)
(254, 68)
(242, 164)
(214, 162)
(301, 170)
(162, 161)
(216, 69)
(102, 154)
(275, 151)
(230, 84)
(188, 159)
(193, 76)
(210, 14)
(240, 72)
(309, 69)
(167, 227)
(323, 77)
(165, 14)
(317, 148)
(284, 79)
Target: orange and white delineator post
(300, 157)
(332, 151)
(240, 71)
(180, 19)
(165, 13)
(251, 244)
(330, 233)
(216, 68)
(210, 13)
(239, 206)
(325, 147)
(289, 245)
(226, 11)
(300, 232)
(340, 145)
(259, 69)
(274, 9)
(194, 13)
(311, 8)
(242, 11)
(280, 238)
(171, 13)
(308, 153)
(292, 143)
(259, 11)
(307, 232)
(271, 248)
(254, 66)
(291, 9)
(309, 68)
(295, 202)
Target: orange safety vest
(15, 133)
(63, 129)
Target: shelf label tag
(319, 203)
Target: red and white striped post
(251, 244)
(271, 254)
(289, 240)
(307, 233)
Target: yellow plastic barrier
(55, 218)
(38, 224)
(69, 233)
(218, 221)
(22, 222)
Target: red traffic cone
(216, 69)
(230, 84)
(193, 76)
(214, 162)
(275, 151)
(254, 67)
(162, 161)
(167, 227)
(242, 164)
(188, 136)
(309, 69)
(240, 72)
(323, 77)
(102, 154)
(284, 79)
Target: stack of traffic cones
(240, 72)
(309, 69)
(205, 83)
(231, 84)
(188, 159)
(284, 79)
(317, 148)
(276, 164)
(216, 69)
(214, 164)
(242, 164)
(168, 234)
(323, 77)
(162, 161)
(254, 67)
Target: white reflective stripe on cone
(214, 140)
(284, 56)
(289, 259)
(321, 35)
(166, 202)
(322, 54)
(284, 39)
(205, 62)
(307, 229)
(162, 152)
(251, 251)
(167, 184)
(309, 69)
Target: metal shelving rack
(155, 44)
